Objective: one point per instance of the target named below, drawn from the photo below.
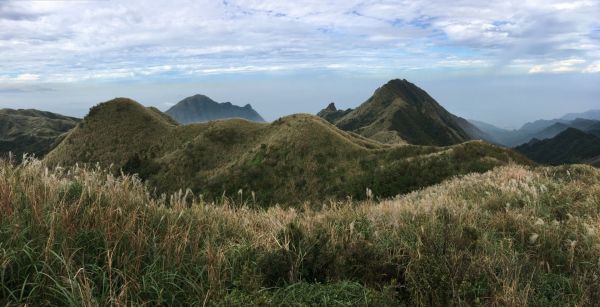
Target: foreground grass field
(512, 236)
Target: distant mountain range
(154, 144)
(200, 108)
(31, 131)
(297, 157)
(400, 112)
(540, 129)
(591, 114)
(569, 146)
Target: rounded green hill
(294, 159)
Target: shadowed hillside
(401, 112)
(296, 158)
(570, 146)
(31, 131)
(200, 108)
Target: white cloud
(19, 78)
(537, 69)
(84, 40)
(570, 65)
(572, 5)
(463, 63)
(27, 77)
(594, 68)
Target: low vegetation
(512, 236)
(31, 131)
(295, 158)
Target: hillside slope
(569, 146)
(399, 111)
(200, 108)
(298, 157)
(112, 132)
(472, 130)
(31, 131)
(594, 129)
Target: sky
(503, 62)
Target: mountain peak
(397, 82)
(200, 108)
(331, 107)
(198, 99)
(399, 85)
(400, 110)
(332, 114)
(127, 109)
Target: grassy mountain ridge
(200, 108)
(31, 131)
(399, 111)
(119, 127)
(295, 158)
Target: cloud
(570, 65)
(19, 78)
(27, 77)
(71, 41)
(594, 68)
(24, 89)
(455, 62)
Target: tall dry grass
(513, 236)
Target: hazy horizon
(503, 63)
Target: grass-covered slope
(570, 146)
(514, 236)
(111, 133)
(296, 158)
(400, 112)
(31, 131)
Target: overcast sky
(505, 62)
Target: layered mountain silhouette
(591, 114)
(569, 146)
(539, 129)
(401, 112)
(31, 131)
(200, 108)
(295, 158)
(594, 129)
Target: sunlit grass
(512, 236)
